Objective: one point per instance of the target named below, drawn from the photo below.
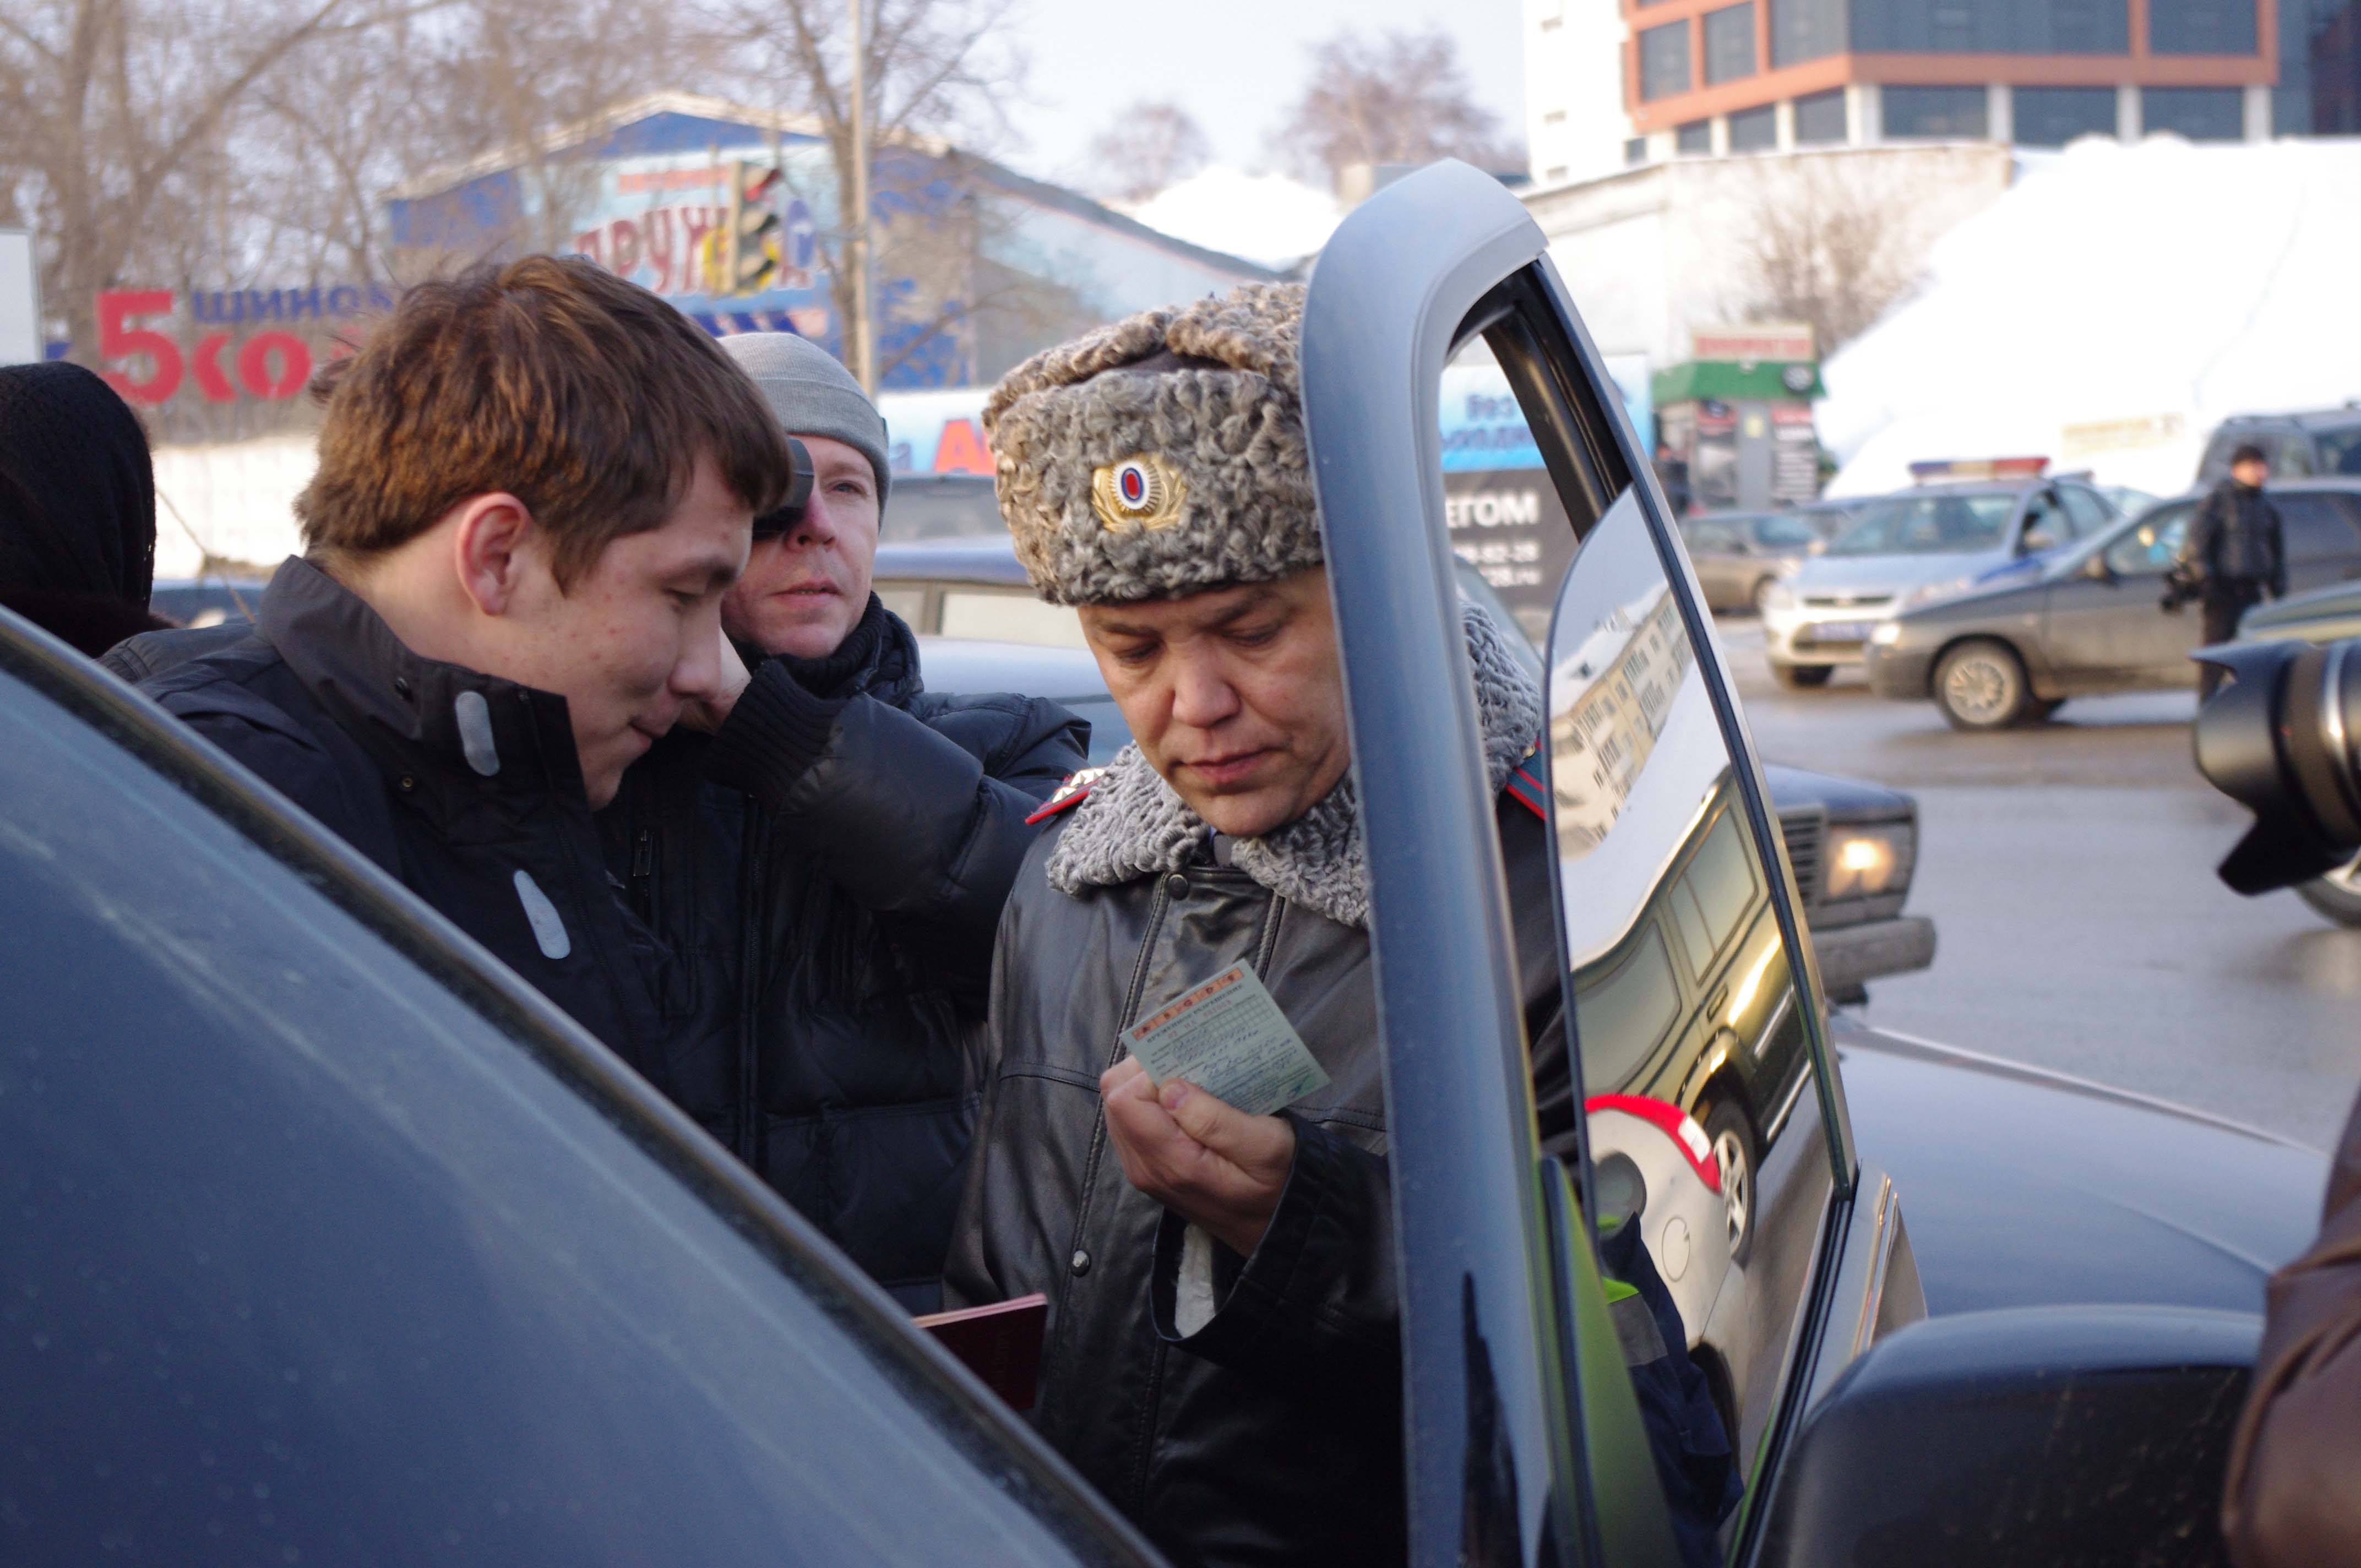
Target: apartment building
(1612, 83)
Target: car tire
(1735, 1145)
(1980, 685)
(1761, 591)
(2041, 711)
(1794, 677)
(2336, 895)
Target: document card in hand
(1229, 1039)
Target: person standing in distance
(2235, 553)
(827, 866)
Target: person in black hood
(77, 507)
(830, 864)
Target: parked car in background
(1830, 517)
(940, 506)
(2297, 445)
(1739, 554)
(206, 601)
(1911, 547)
(2089, 619)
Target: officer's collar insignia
(1143, 490)
(1076, 786)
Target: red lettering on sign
(118, 340)
(205, 360)
(960, 449)
(254, 364)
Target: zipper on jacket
(751, 1144)
(644, 875)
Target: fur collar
(1133, 825)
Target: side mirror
(1920, 1452)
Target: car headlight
(1865, 861)
(1887, 634)
(1777, 595)
(1933, 591)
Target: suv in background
(2298, 445)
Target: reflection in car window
(1928, 525)
(1626, 1011)
(1787, 530)
(2151, 544)
(1721, 879)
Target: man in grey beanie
(826, 862)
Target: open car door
(1698, 1340)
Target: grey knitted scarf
(1133, 824)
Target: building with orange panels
(1611, 84)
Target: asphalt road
(2069, 872)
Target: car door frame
(1501, 1447)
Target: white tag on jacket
(547, 928)
(1229, 1039)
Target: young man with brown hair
(536, 483)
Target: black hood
(77, 490)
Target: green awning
(1772, 380)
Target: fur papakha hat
(1162, 455)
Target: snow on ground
(1262, 217)
(238, 499)
(2110, 310)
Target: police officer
(2235, 552)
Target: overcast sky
(1234, 64)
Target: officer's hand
(1210, 1163)
(709, 714)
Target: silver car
(1914, 547)
(1739, 554)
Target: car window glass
(997, 615)
(1652, 842)
(1786, 532)
(1627, 1002)
(1928, 525)
(2340, 449)
(1711, 536)
(311, 1258)
(907, 602)
(2044, 515)
(2292, 460)
(2150, 545)
(2085, 512)
(2316, 528)
(1722, 880)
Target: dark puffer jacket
(1273, 1433)
(2237, 544)
(464, 787)
(827, 873)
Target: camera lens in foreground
(2279, 738)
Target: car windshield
(1928, 525)
(1786, 532)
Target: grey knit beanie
(812, 394)
(1162, 455)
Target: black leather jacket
(825, 875)
(1273, 1434)
(2237, 544)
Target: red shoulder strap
(1076, 786)
(1524, 784)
